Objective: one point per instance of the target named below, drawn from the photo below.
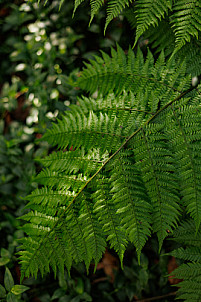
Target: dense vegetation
(127, 174)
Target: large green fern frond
(190, 288)
(77, 129)
(134, 167)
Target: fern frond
(190, 254)
(190, 287)
(60, 180)
(129, 72)
(187, 150)
(183, 17)
(114, 8)
(187, 271)
(152, 156)
(149, 13)
(106, 215)
(46, 197)
(190, 272)
(75, 129)
(148, 147)
(95, 6)
(76, 4)
(161, 38)
(74, 161)
(185, 234)
(191, 54)
(186, 21)
(65, 244)
(130, 199)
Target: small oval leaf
(19, 289)
(4, 261)
(8, 280)
(5, 253)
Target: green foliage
(113, 8)
(11, 292)
(161, 38)
(148, 13)
(189, 272)
(128, 163)
(139, 167)
(183, 16)
(32, 92)
(186, 21)
(131, 73)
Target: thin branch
(156, 298)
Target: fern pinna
(128, 165)
(190, 270)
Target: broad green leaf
(8, 280)
(19, 289)
(4, 261)
(58, 293)
(5, 253)
(80, 286)
(12, 298)
(2, 291)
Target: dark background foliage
(42, 50)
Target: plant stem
(156, 298)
